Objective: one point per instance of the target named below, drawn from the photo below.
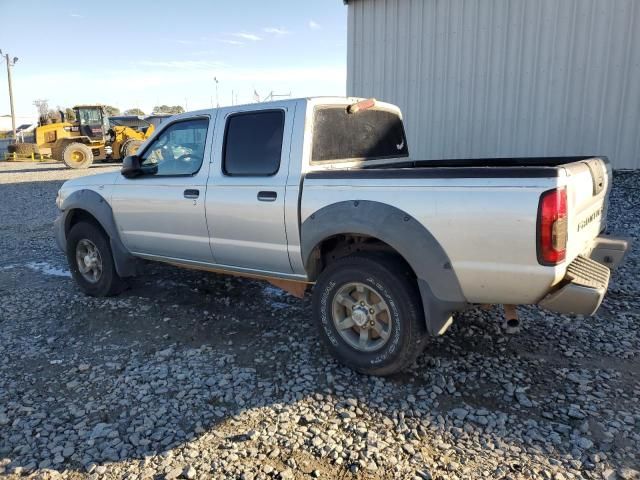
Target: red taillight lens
(552, 227)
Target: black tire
(109, 282)
(23, 148)
(391, 280)
(130, 147)
(77, 155)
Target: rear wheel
(130, 147)
(91, 261)
(369, 313)
(77, 155)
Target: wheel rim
(89, 260)
(361, 317)
(78, 156)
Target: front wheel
(77, 155)
(369, 313)
(91, 261)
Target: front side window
(179, 149)
(253, 143)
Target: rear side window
(366, 135)
(253, 143)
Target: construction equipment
(126, 134)
(89, 138)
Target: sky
(141, 54)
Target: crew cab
(321, 193)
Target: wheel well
(78, 215)
(339, 246)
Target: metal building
(485, 78)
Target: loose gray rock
(584, 443)
(173, 473)
(189, 374)
(627, 473)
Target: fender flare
(93, 203)
(439, 286)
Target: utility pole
(11, 63)
(215, 79)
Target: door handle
(265, 196)
(191, 193)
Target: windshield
(89, 116)
(366, 135)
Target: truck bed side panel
(485, 225)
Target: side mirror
(131, 167)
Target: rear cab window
(371, 134)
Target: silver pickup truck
(321, 192)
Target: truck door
(246, 188)
(162, 215)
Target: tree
(43, 108)
(54, 115)
(134, 111)
(167, 109)
(69, 114)
(111, 111)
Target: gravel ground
(195, 375)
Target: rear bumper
(582, 289)
(587, 279)
(610, 251)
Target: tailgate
(588, 183)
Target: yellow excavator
(90, 137)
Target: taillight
(552, 227)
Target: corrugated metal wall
(483, 78)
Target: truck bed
(523, 167)
(483, 212)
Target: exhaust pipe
(511, 322)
